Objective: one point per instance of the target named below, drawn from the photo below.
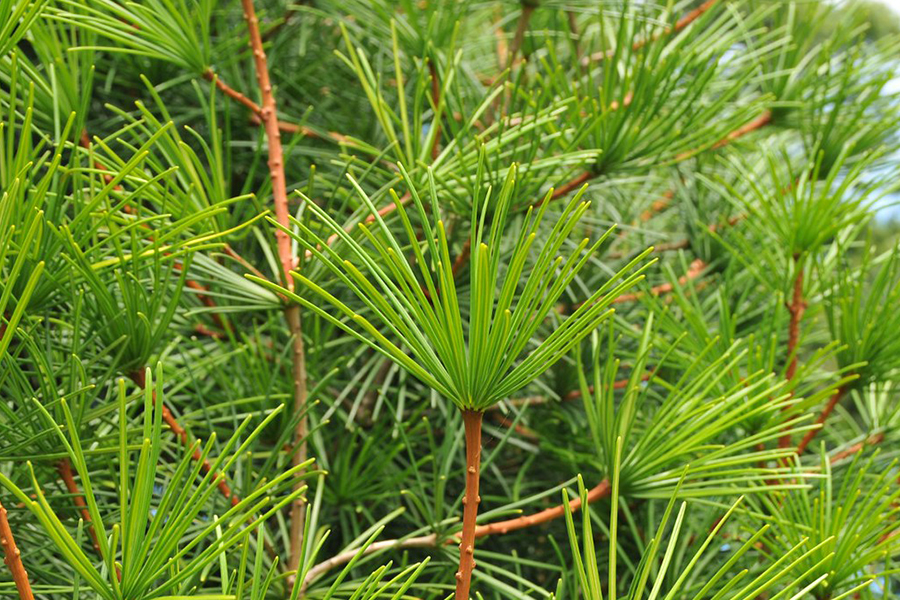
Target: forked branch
(598, 492)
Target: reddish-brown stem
(850, 451)
(64, 468)
(573, 28)
(13, 558)
(568, 187)
(472, 423)
(229, 251)
(693, 15)
(231, 92)
(388, 209)
(519, 37)
(463, 257)
(269, 116)
(205, 299)
(336, 137)
(757, 123)
(298, 372)
(256, 110)
(522, 430)
(679, 25)
(761, 121)
(140, 379)
(826, 412)
(268, 112)
(435, 99)
(85, 142)
(694, 271)
(599, 491)
(430, 541)
(796, 307)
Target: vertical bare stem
(472, 422)
(298, 359)
(269, 116)
(573, 27)
(524, 19)
(796, 307)
(435, 98)
(13, 558)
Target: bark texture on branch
(269, 115)
(472, 422)
(13, 558)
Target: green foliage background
(700, 349)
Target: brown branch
(762, 120)
(599, 491)
(269, 116)
(850, 451)
(796, 307)
(472, 422)
(256, 110)
(826, 412)
(13, 558)
(85, 142)
(298, 372)
(435, 99)
(759, 122)
(679, 25)
(522, 430)
(573, 28)
(140, 379)
(64, 468)
(334, 136)
(463, 257)
(230, 252)
(232, 93)
(519, 36)
(568, 187)
(694, 271)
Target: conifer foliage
(447, 299)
